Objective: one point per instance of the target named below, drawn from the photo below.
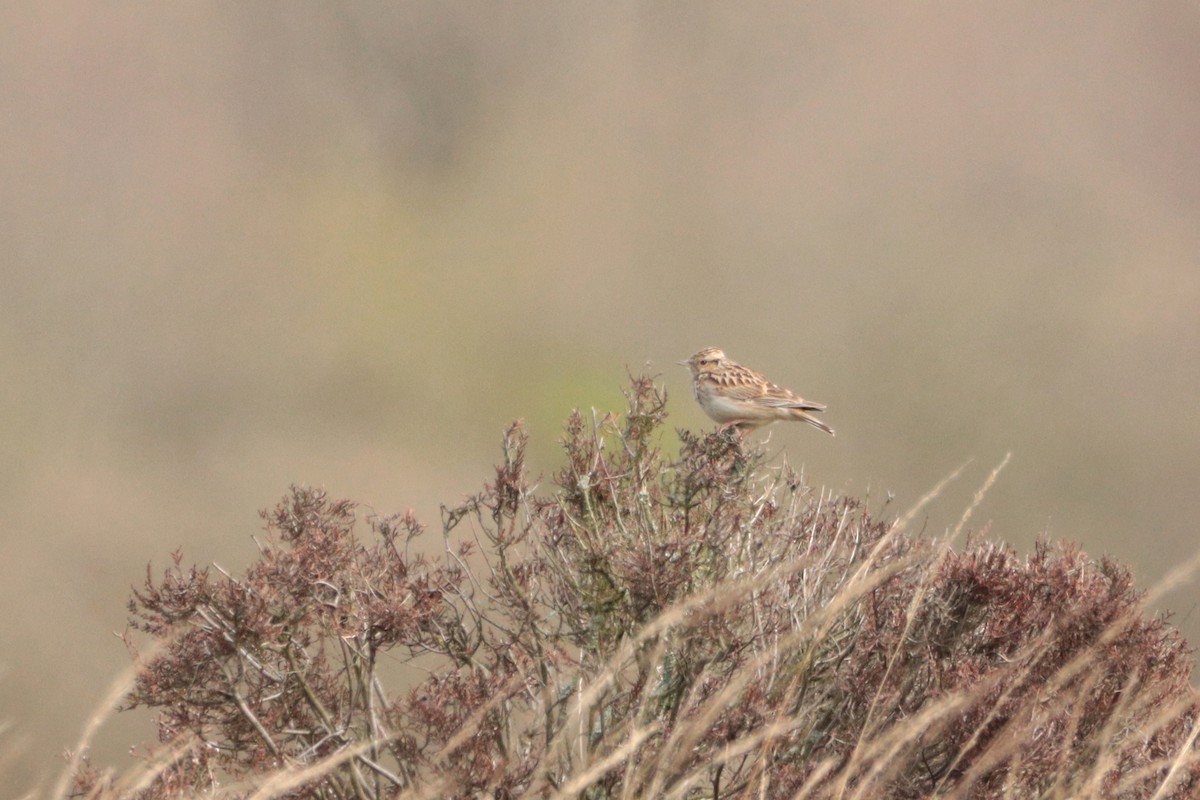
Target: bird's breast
(725, 409)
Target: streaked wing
(778, 397)
(739, 383)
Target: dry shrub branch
(706, 626)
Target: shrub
(707, 626)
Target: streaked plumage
(738, 396)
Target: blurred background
(246, 245)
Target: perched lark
(739, 397)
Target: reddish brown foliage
(758, 638)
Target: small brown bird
(739, 397)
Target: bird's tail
(799, 414)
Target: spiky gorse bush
(703, 627)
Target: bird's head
(707, 360)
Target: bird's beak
(684, 363)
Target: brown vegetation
(704, 627)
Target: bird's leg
(737, 427)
